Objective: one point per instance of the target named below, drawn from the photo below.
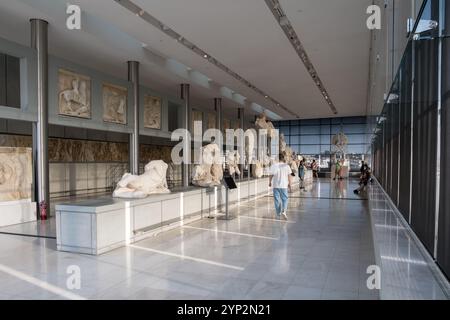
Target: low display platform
(99, 225)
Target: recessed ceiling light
(205, 56)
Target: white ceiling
(243, 35)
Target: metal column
(219, 114)
(187, 125)
(133, 77)
(241, 115)
(39, 41)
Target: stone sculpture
(262, 123)
(286, 150)
(233, 159)
(152, 112)
(339, 141)
(152, 181)
(209, 173)
(15, 174)
(74, 94)
(257, 169)
(115, 104)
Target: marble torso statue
(258, 169)
(262, 123)
(209, 173)
(233, 163)
(152, 181)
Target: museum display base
(15, 212)
(100, 225)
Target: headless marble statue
(152, 181)
(258, 169)
(210, 172)
(262, 123)
(233, 163)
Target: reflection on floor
(322, 252)
(44, 229)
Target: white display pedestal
(100, 225)
(15, 212)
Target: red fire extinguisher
(43, 210)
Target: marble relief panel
(115, 103)
(67, 150)
(15, 173)
(152, 112)
(74, 94)
(70, 150)
(7, 140)
(151, 152)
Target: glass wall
(313, 138)
(411, 145)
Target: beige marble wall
(15, 173)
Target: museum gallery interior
(144, 147)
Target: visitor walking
(280, 179)
(301, 174)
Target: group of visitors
(281, 176)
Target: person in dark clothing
(364, 179)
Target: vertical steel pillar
(39, 41)
(133, 77)
(241, 115)
(187, 125)
(219, 114)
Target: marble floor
(321, 252)
(407, 270)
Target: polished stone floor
(321, 252)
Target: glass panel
(305, 149)
(310, 122)
(295, 130)
(310, 139)
(325, 129)
(295, 140)
(325, 139)
(310, 130)
(356, 138)
(354, 128)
